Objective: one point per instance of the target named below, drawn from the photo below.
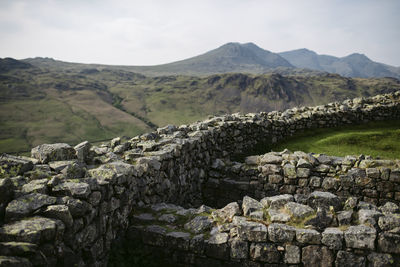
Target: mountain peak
(357, 56)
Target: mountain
(354, 65)
(230, 57)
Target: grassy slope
(33, 112)
(378, 139)
(38, 106)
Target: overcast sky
(151, 32)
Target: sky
(150, 32)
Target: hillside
(45, 105)
(354, 65)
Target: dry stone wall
(372, 180)
(65, 205)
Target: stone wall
(275, 231)
(66, 205)
(372, 180)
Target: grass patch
(377, 139)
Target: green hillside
(42, 104)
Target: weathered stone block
(332, 238)
(389, 243)
(308, 236)
(316, 256)
(264, 252)
(281, 232)
(249, 205)
(53, 152)
(239, 249)
(292, 254)
(360, 236)
(345, 258)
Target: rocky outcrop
(68, 204)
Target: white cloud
(157, 31)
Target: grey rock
(303, 172)
(27, 204)
(6, 191)
(203, 209)
(249, 205)
(350, 203)
(278, 216)
(73, 189)
(270, 158)
(315, 182)
(380, 260)
(257, 215)
(199, 224)
(308, 236)
(303, 163)
(316, 256)
(345, 217)
(53, 152)
(35, 186)
(323, 200)
(264, 252)
(292, 254)
(330, 184)
(360, 236)
(60, 212)
(372, 173)
(82, 151)
(345, 258)
(298, 211)
(251, 160)
(252, 231)
(33, 230)
(289, 171)
(322, 219)
(168, 218)
(362, 205)
(239, 249)
(390, 207)
(276, 202)
(115, 142)
(332, 238)
(58, 166)
(281, 232)
(369, 217)
(14, 165)
(77, 207)
(389, 222)
(389, 243)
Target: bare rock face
(53, 152)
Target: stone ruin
(177, 196)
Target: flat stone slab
(33, 230)
(25, 205)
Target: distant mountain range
(249, 58)
(354, 65)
